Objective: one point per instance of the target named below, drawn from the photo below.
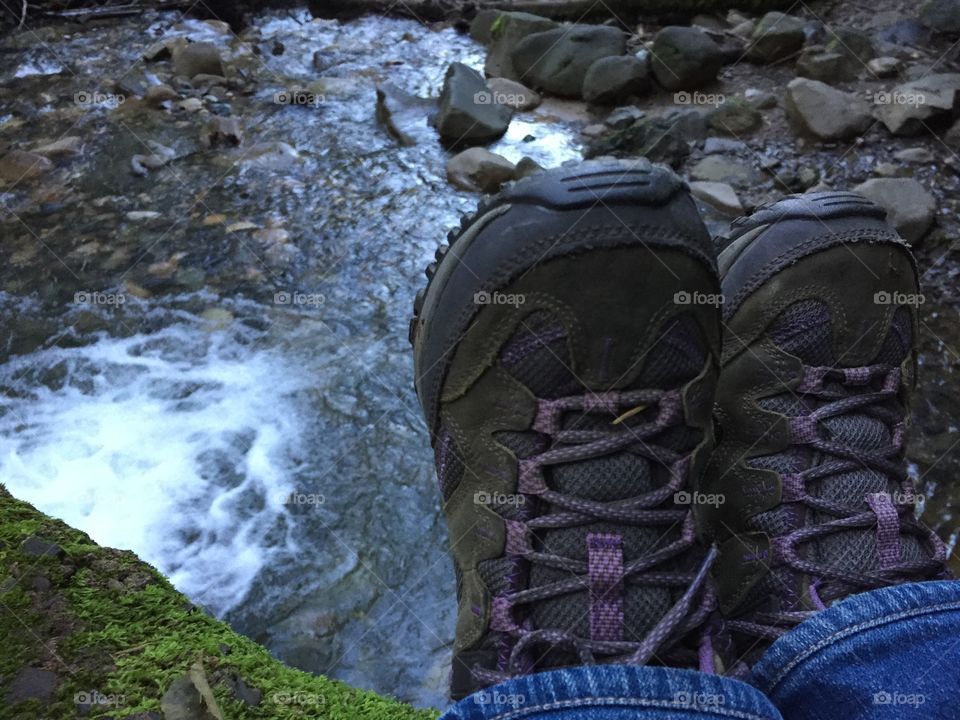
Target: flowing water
(237, 407)
(250, 428)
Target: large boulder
(941, 15)
(557, 60)
(906, 108)
(506, 30)
(612, 80)
(910, 207)
(685, 58)
(825, 112)
(513, 94)
(775, 37)
(467, 113)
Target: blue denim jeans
(885, 654)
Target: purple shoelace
(605, 571)
(836, 392)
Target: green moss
(105, 621)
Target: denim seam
(876, 622)
(629, 702)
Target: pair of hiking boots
(649, 454)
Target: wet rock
(919, 155)
(190, 698)
(527, 167)
(191, 104)
(910, 207)
(156, 95)
(479, 170)
(941, 15)
(249, 696)
(827, 67)
(32, 684)
(825, 112)
(467, 112)
(907, 106)
(557, 61)
(19, 165)
(613, 80)
(718, 195)
(624, 117)
(884, 66)
(715, 145)
(505, 33)
(658, 139)
(685, 58)
(760, 99)
(690, 124)
(405, 116)
(196, 58)
(735, 117)
(64, 147)
(720, 169)
(222, 132)
(513, 94)
(162, 49)
(775, 37)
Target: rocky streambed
(210, 244)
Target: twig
(23, 16)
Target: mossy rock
(113, 630)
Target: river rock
(479, 170)
(513, 94)
(196, 58)
(156, 95)
(685, 58)
(918, 155)
(720, 169)
(506, 32)
(467, 112)
(885, 66)
(825, 112)
(64, 147)
(827, 67)
(526, 167)
(405, 116)
(853, 44)
(941, 15)
(910, 207)
(660, 139)
(735, 117)
(481, 27)
(612, 80)
(775, 37)
(557, 60)
(190, 698)
(222, 132)
(718, 195)
(906, 107)
(18, 165)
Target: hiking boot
(819, 360)
(566, 356)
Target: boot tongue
(543, 367)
